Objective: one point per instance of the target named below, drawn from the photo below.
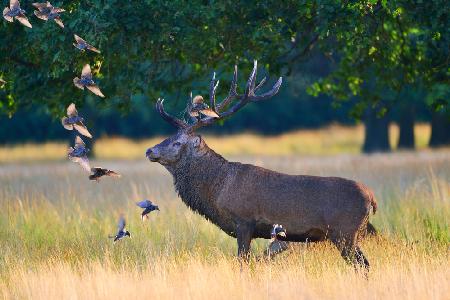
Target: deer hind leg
(351, 253)
(244, 234)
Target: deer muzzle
(152, 154)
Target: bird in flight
(86, 81)
(83, 45)
(74, 121)
(14, 11)
(97, 173)
(46, 12)
(121, 231)
(78, 154)
(148, 207)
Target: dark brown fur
(246, 200)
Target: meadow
(54, 227)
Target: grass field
(54, 227)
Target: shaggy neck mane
(198, 180)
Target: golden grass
(54, 225)
(327, 141)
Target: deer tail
(373, 201)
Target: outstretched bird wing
(79, 40)
(79, 142)
(59, 22)
(76, 82)
(92, 48)
(84, 163)
(39, 6)
(22, 19)
(82, 129)
(72, 110)
(121, 224)
(86, 72)
(5, 15)
(65, 125)
(95, 89)
(41, 15)
(58, 10)
(144, 203)
(113, 173)
(14, 4)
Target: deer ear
(196, 141)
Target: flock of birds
(47, 12)
(78, 154)
(73, 121)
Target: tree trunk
(406, 123)
(376, 137)
(440, 129)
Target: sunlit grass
(54, 227)
(327, 141)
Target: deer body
(245, 200)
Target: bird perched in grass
(79, 153)
(121, 231)
(148, 207)
(2, 83)
(86, 81)
(199, 107)
(276, 246)
(97, 173)
(74, 121)
(83, 45)
(14, 11)
(46, 12)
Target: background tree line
(371, 60)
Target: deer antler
(168, 118)
(248, 96)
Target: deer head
(186, 142)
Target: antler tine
(212, 92)
(271, 93)
(260, 85)
(248, 96)
(168, 118)
(232, 94)
(189, 106)
(250, 87)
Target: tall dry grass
(54, 225)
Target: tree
(153, 48)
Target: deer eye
(176, 144)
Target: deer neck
(198, 180)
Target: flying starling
(78, 154)
(86, 81)
(97, 173)
(46, 12)
(83, 45)
(74, 121)
(199, 107)
(14, 11)
(148, 207)
(121, 232)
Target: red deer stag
(246, 200)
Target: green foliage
(155, 48)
